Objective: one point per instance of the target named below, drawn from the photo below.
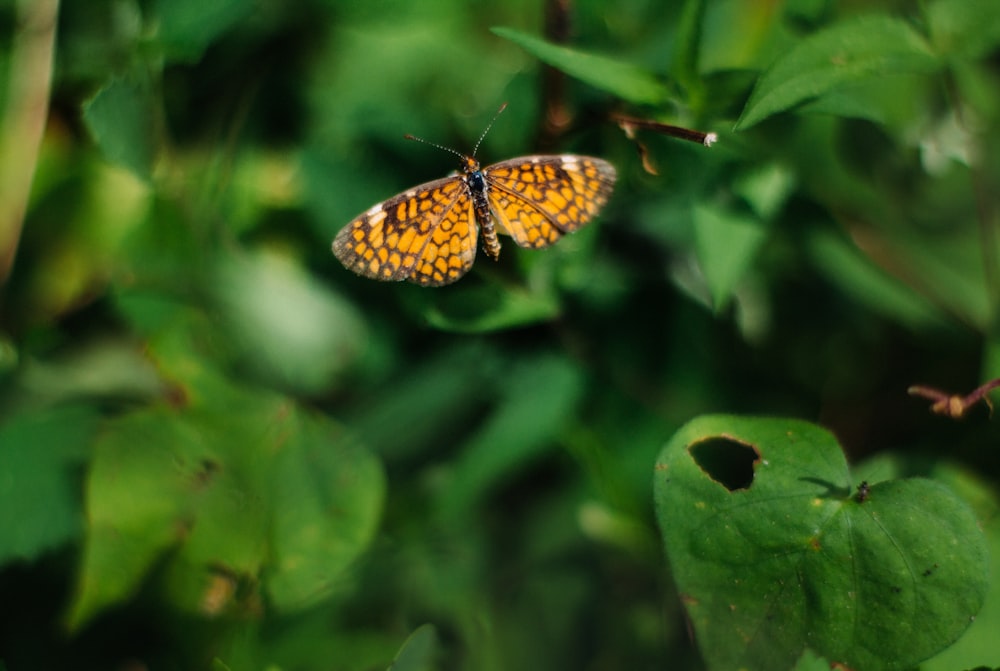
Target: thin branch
(630, 124)
(955, 406)
(556, 116)
(23, 122)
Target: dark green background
(487, 447)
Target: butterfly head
(470, 165)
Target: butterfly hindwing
(538, 198)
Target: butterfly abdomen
(484, 216)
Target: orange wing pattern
(426, 235)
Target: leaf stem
(23, 121)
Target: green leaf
(186, 486)
(486, 307)
(766, 188)
(685, 66)
(773, 551)
(623, 80)
(964, 28)
(120, 116)
(327, 501)
(284, 324)
(235, 489)
(145, 471)
(857, 276)
(886, 100)
(417, 653)
(187, 27)
(429, 398)
(977, 646)
(39, 484)
(726, 243)
(848, 53)
(536, 402)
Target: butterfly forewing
(538, 198)
(426, 235)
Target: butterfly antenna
(488, 127)
(453, 151)
(434, 144)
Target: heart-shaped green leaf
(225, 496)
(774, 551)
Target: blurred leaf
(152, 253)
(856, 276)
(308, 640)
(147, 311)
(724, 96)
(188, 27)
(726, 243)
(40, 458)
(109, 370)
(685, 68)
(488, 307)
(621, 79)
(810, 661)
(418, 651)
(743, 35)
(146, 472)
(80, 225)
(773, 551)
(886, 100)
(535, 403)
(430, 398)
(245, 488)
(964, 28)
(766, 188)
(845, 54)
(121, 118)
(9, 357)
(263, 183)
(327, 502)
(283, 323)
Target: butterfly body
(479, 190)
(428, 235)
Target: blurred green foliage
(220, 449)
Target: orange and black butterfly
(428, 235)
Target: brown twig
(556, 116)
(955, 406)
(630, 124)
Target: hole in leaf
(727, 461)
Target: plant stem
(23, 121)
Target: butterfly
(428, 235)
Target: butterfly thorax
(478, 186)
